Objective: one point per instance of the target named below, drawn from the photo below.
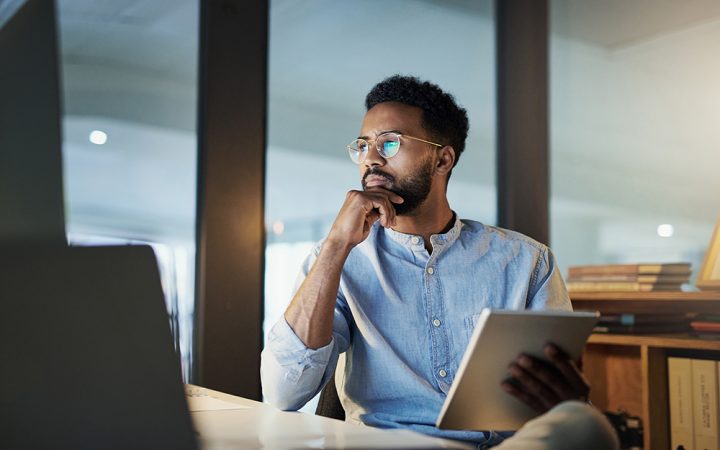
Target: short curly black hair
(446, 122)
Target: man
(400, 281)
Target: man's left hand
(542, 384)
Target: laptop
(86, 351)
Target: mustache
(377, 172)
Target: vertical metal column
(31, 170)
(231, 187)
(522, 116)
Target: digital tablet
(476, 400)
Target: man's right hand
(310, 314)
(359, 212)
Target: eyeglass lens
(388, 145)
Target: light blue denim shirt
(405, 318)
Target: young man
(400, 280)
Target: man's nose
(373, 157)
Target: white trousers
(568, 426)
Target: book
(634, 319)
(619, 286)
(643, 328)
(699, 325)
(681, 406)
(707, 317)
(705, 403)
(630, 269)
(655, 279)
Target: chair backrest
(329, 404)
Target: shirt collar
(413, 240)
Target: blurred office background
(634, 113)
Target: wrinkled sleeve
(547, 288)
(291, 373)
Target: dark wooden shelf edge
(680, 341)
(660, 296)
(617, 306)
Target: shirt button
(442, 373)
(436, 322)
(430, 270)
(415, 240)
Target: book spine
(647, 279)
(681, 406)
(630, 269)
(630, 286)
(636, 319)
(705, 404)
(619, 269)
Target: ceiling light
(665, 230)
(278, 227)
(98, 137)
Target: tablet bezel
(476, 401)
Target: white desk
(228, 422)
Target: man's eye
(390, 147)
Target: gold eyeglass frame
(372, 142)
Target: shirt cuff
(292, 354)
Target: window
(129, 75)
(634, 135)
(324, 57)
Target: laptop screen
(87, 354)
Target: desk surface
(227, 422)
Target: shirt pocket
(470, 323)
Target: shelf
(679, 341)
(647, 302)
(628, 372)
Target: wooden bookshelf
(629, 372)
(647, 302)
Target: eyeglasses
(387, 144)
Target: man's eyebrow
(382, 132)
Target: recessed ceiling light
(98, 137)
(278, 227)
(665, 230)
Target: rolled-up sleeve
(547, 290)
(291, 373)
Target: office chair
(329, 402)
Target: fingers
(543, 384)
(511, 387)
(370, 218)
(360, 210)
(533, 385)
(551, 379)
(570, 371)
(378, 201)
(385, 210)
(393, 197)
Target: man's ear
(445, 161)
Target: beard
(414, 188)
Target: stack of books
(643, 323)
(628, 277)
(694, 403)
(706, 326)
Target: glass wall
(635, 107)
(324, 57)
(129, 151)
